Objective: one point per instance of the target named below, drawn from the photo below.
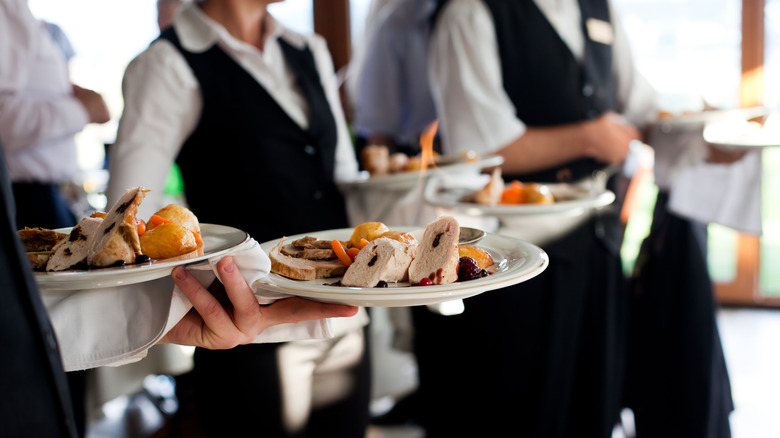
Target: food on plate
(368, 231)
(376, 256)
(376, 159)
(39, 239)
(381, 261)
(399, 236)
(398, 162)
(417, 162)
(299, 268)
(480, 256)
(117, 237)
(468, 269)
(437, 256)
(491, 193)
(178, 215)
(309, 248)
(39, 244)
(168, 240)
(172, 231)
(516, 192)
(73, 251)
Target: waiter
(551, 87)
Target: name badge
(600, 31)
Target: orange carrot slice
(340, 253)
(353, 252)
(140, 227)
(157, 220)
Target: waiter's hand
(93, 103)
(239, 319)
(720, 155)
(608, 137)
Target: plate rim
(67, 281)
(409, 179)
(417, 295)
(602, 199)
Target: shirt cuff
(75, 114)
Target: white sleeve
(18, 38)
(25, 120)
(162, 107)
(346, 167)
(474, 110)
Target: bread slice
(73, 251)
(303, 269)
(117, 238)
(437, 256)
(383, 259)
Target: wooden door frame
(332, 21)
(745, 290)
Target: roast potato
(168, 240)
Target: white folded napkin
(117, 325)
(728, 195)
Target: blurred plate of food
(489, 195)
(669, 120)
(737, 133)
(402, 172)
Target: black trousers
(41, 205)
(238, 391)
(538, 359)
(676, 377)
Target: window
(692, 52)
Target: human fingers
(718, 155)
(93, 103)
(610, 141)
(246, 310)
(298, 309)
(217, 329)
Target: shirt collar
(198, 32)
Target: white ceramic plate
(740, 135)
(408, 180)
(516, 261)
(448, 192)
(217, 240)
(685, 120)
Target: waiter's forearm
(605, 139)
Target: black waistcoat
(248, 164)
(543, 79)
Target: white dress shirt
(38, 114)
(163, 101)
(163, 106)
(465, 73)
